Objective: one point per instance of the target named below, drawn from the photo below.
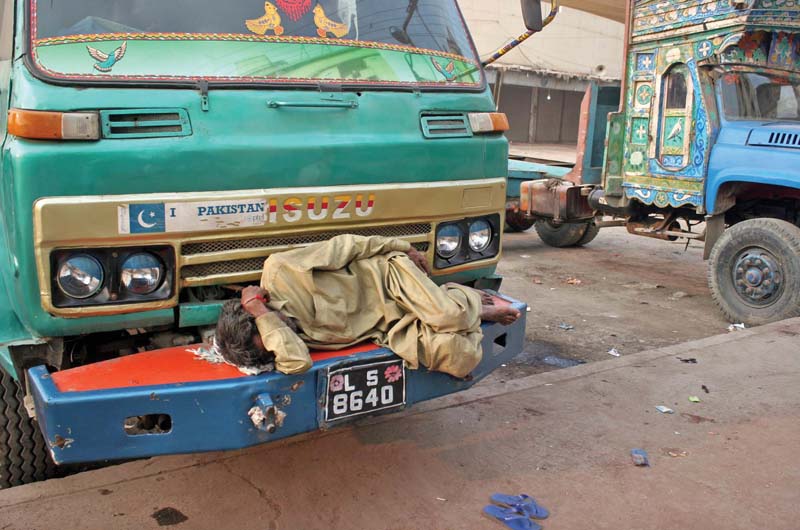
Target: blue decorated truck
(705, 146)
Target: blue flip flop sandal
(510, 517)
(524, 504)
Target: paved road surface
(729, 462)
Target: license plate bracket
(361, 389)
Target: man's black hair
(236, 330)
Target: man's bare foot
(505, 315)
(486, 298)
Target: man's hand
(419, 260)
(254, 300)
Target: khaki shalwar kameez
(351, 289)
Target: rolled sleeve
(291, 353)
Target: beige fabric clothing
(351, 289)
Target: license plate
(364, 389)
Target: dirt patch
(169, 517)
(621, 293)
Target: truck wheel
(754, 271)
(591, 232)
(23, 454)
(516, 222)
(566, 234)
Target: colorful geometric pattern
(640, 131)
(645, 62)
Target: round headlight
(80, 276)
(480, 235)
(448, 241)
(141, 273)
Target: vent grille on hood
(445, 126)
(145, 123)
(775, 139)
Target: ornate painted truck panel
(705, 146)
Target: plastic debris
(566, 327)
(574, 281)
(639, 457)
(691, 360)
(524, 256)
(694, 399)
(736, 327)
(614, 352)
(442, 499)
(529, 309)
(705, 389)
(664, 410)
(676, 453)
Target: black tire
(591, 232)
(754, 272)
(517, 222)
(23, 455)
(564, 235)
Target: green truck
(155, 153)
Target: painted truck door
(667, 146)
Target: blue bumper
(211, 416)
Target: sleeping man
(351, 289)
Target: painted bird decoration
(676, 131)
(105, 61)
(270, 21)
(448, 70)
(326, 25)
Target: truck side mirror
(532, 14)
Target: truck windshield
(364, 42)
(752, 96)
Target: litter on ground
(639, 457)
(664, 410)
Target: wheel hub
(757, 276)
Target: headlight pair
(105, 276)
(467, 240)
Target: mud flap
(86, 414)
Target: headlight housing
(109, 276)
(468, 240)
(80, 276)
(448, 241)
(480, 235)
(141, 273)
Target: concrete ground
(630, 293)
(728, 462)
(564, 154)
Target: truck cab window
(676, 89)
(756, 96)
(677, 101)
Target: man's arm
(291, 353)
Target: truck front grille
(190, 249)
(243, 259)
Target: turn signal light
(488, 122)
(43, 125)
